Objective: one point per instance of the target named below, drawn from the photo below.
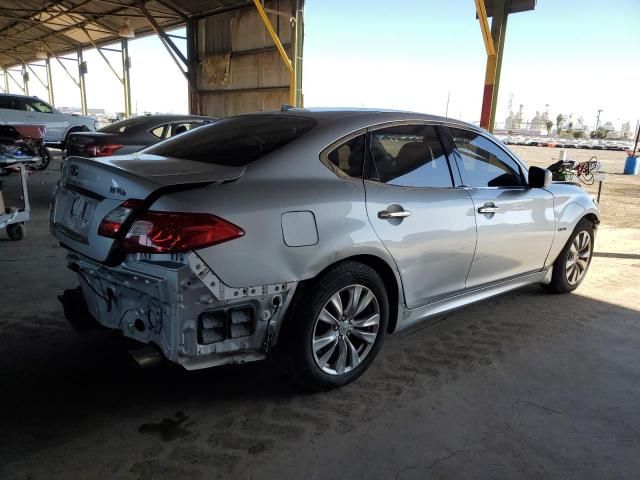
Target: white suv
(20, 109)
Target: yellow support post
(283, 53)
(484, 26)
(486, 113)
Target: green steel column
(192, 66)
(297, 53)
(49, 82)
(126, 79)
(498, 33)
(82, 70)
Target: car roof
(18, 95)
(358, 118)
(173, 116)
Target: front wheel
(16, 231)
(337, 328)
(572, 264)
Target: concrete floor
(527, 385)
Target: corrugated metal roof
(61, 26)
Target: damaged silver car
(312, 233)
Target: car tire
(571, 266)
(355, 337)
(16, 231)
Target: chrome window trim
(324, 154)
(426, 123)
(523, 169)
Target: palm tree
(559, 120)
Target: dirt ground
(526, 385)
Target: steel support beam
(82, 70)
(50, 83)
(25, 79)
(494, 45)
(126, 79)
(297, 53)
(6, 80)
(283, 53)
(171, 47)
(18, 84)
(35, 74)
(192, 74)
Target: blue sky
(577, 56)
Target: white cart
(13, 218)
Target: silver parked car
(310, 232)
(22, 109)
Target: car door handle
(384, 214)
(488, 208)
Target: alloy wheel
(346, 329)
(578, 258)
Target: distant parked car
(132, 134)
(22, 109)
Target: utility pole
(446, 111)
(598, 119)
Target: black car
(132, 134)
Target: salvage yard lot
(526, 385)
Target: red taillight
(102, 150)
(110, 225)
(171, 232)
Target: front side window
(409, 156)
(235, 141)
(348, 158)
(485, 164)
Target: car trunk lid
(91, 188)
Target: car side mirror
(539, 177)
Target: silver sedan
(309, 234)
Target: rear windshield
(235, 141)
(124, 125)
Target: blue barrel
(631, 165)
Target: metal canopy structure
(61, 27)
(494, 38)
(242, 55)
(231, 45)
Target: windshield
(235, 141)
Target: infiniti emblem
(74, 170)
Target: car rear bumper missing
(177, 303)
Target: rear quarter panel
(294, 181)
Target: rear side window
(409, 156)
(235, 141)
(348, 158)
(484, 163)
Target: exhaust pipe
(148, 356)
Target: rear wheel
(572, 264)
(45, 156)
(337, 327)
